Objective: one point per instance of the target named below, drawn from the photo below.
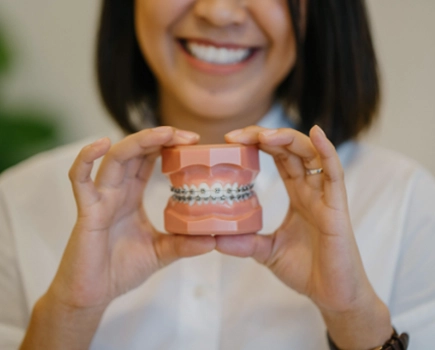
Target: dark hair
(334, 82)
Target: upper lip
(209, 42)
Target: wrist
(365, 326)
(54, 325)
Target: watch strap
(396, 342)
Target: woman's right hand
(113, 247)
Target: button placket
(200, 302)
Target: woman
(348, 258)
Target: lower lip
(216, 69)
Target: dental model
(212, 189)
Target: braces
(217, 194)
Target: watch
(396, 342)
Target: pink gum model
(212, 187)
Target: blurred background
(48, 95)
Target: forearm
(56, 326)
(362, 328)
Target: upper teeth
(217, 55)
(215, 193)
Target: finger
(141, 144)
(291, 163)
(334, 187)
(301, 153)
(133, 166)
(259, 247)
(80, 172)
(247, 136)
(295, 142)
(170, 248)
(139, 180)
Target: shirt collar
(276, 118)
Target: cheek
(161, 13)
(154, 19)
(274, 18)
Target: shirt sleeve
(413, 296)
(13, 310)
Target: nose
(221, 13)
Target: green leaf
(22, 134)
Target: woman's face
(216, 58)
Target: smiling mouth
(217, 55)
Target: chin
(221, 106)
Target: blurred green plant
(24, 131)
(5, 56)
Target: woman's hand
(113, 247)
(314, 250)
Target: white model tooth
(206, 200)
(193, 191)
(214, 199)
(221, 199)
(229, 200)
(185, 189)
(228, 190)
(199, 201)
(217, 189)
(203, 190)
(234, 191)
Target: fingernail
(162, 129)
(320, 130)
(269, 132)
(98, 142)
(188, 135)
(234, 133)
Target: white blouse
(219, 302)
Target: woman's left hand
(314, 250)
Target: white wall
(54, 41)
(404, 33)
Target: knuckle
(71, 174)
(280, 156)
(115, 154)
(337, 175)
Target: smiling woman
(346, 91)
(348, 228)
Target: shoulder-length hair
(334, 82)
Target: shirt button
(200, 292)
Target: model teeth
(217, 55)
(214, 194)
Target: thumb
(251, 245)
(171, 247)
